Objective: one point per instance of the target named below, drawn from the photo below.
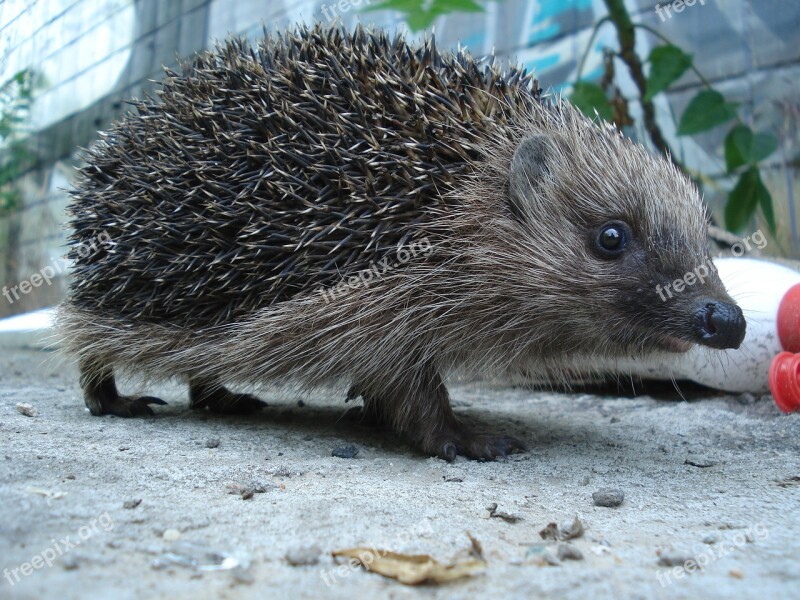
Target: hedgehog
(328, 206)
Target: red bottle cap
(789, 319)
(784, 381)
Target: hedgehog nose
(718, 324)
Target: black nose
(719, 324)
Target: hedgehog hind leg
(424, 416)
(102, 398)
(368, 413)
(208, 393)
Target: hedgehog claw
(363, 415)
(505, 445)
(478, 447)
(352, 393)
(126, 406)
(449, 452)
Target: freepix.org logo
(706, 268)
(59, 548)
(665, 12)
(45, 274)
(377, 270)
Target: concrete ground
(190, 505)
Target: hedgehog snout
(718, 324)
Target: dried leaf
(411, 569)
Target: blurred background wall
(88, 56)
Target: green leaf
(589, 97)
(409, 7)
(733, 156)
(707, 110)
(765, 202)
(417, 21)
(450, 6)
(667, 64)
(9, 200)
(398, 5)
(418, 16)
(743, 147)
(749, 193)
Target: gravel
(608, 498)
(62, 474)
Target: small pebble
(70, 563)
(170, 535)
(246, 490)
(303, 556)
(26, 409)
(130, 504)
(566, 531)
(348, 451)
(508, 518)
(674, 558)
(570, 529)
(608, 497)
(242, 575)
(711, 538)
(747, 399)
(569, 552)
(541, 555)
(736, 574)
(212, 443)
(550, 532)
(701, 462)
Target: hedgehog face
(623, 234)
(663, 296)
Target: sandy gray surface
(716, 478)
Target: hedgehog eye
(611, 240)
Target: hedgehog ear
(530, 163)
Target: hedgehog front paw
(127, 406)
(225, 402)
(476, 446)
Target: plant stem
(626, 33)
(589, 46)
(665, 39)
